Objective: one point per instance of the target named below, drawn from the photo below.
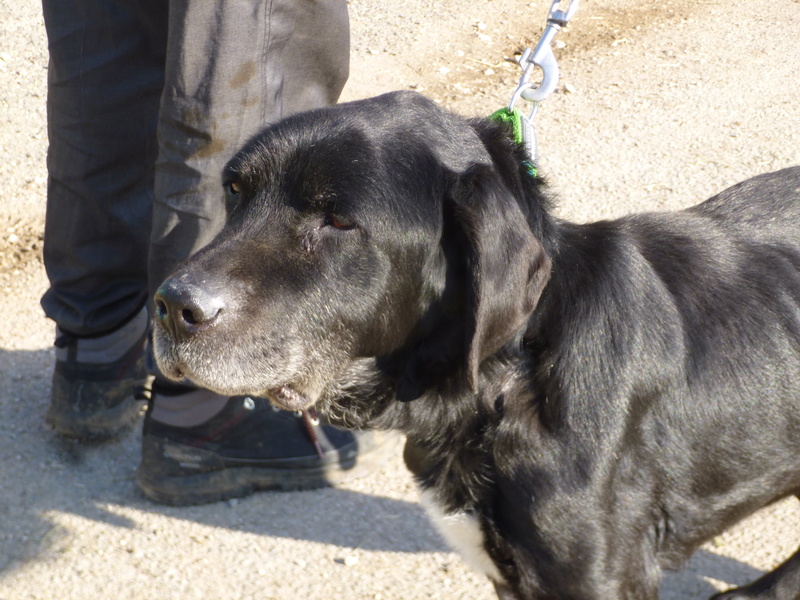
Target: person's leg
(232, 68)
(105, 80)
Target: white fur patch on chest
(462, 532)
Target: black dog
(584, 404)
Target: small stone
(350, 560)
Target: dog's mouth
(175, 372)
(283, 395)
(288, 398)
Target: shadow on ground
(691, 582)
(41, 473)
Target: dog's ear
(507, 267)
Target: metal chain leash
(543, 58)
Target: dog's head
(378, 228)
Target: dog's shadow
(693, 580)
(41, 474)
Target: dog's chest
(462, 531)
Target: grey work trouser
(147, 101)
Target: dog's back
(765, 208)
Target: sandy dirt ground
(660, 106)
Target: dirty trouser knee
(223, 70)
(259, 62)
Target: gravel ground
(661, 105)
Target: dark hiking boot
(250, 446)
(96, 381)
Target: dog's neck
(445, 416)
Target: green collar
(516, 120)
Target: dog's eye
(233, 196)
(233, 187)
(339, 222)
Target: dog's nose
(184, 308)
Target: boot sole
(242, 481)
